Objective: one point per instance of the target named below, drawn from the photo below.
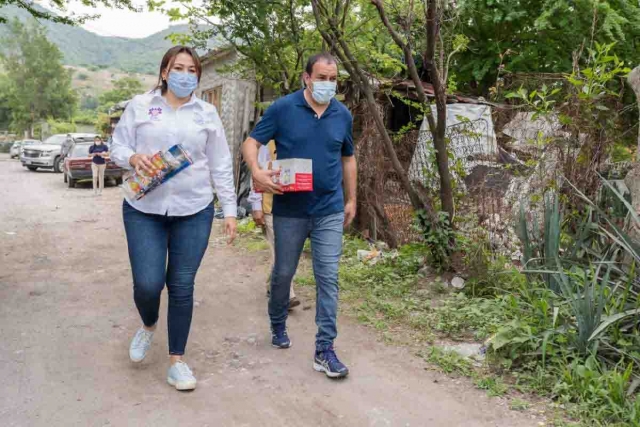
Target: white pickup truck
(48, 155)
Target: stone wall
(237, 101)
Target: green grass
(518, 405)
(247, 226)
(305, 279)
(450, 362)
(256, 245)
(493, 385)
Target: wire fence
(481, 181)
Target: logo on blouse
(154, 113)
(198, 119)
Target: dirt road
(67, 315)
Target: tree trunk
(335, 38)
(439, 140)
(438, 128)
(634, 82)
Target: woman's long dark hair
(170, 57)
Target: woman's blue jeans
(166, 249)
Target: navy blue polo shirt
(300, 134)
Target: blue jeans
(151, 238)
(326, 246)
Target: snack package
(293, 174)
(168, 163)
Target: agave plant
(543, 248)
(595, 274)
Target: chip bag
(168, 164)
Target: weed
(518, 405)
(255, 245)
(450, 362)
(305, 279)
(493, 385)
(246, 226)
(438, 237)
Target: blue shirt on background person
(300, 134)
(96, 149)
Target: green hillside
(84, 48)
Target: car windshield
(55, 139)
(29, 142)
(80, 150)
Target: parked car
(48, 155)
(77, 166)
(16, 149)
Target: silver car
(48, 155)
(16, 149)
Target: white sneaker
(181, 377)
(140, 345)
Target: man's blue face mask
(323, 91)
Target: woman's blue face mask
(182, 84)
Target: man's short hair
(322, 56)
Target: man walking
(309, 124)
(261, 212)
(66, 146)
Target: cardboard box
(295, 175)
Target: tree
(274, 38)
(331, 24)
(61, 5)
(124, 89)
(39, 87)
(89, 102)
(541, 36)
(437, 126)
(5, 112)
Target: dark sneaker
(279, 338)
(326, 361)
(293, 302)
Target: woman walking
(98, 151)
(168, 230)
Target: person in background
(66, 146)
(98, 151)
(261, 207)
(168, 230)
(309, 124)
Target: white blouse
(149, 125)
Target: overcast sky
(120, 23)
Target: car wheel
(32, 168)
(58, 164)
(71, 183)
